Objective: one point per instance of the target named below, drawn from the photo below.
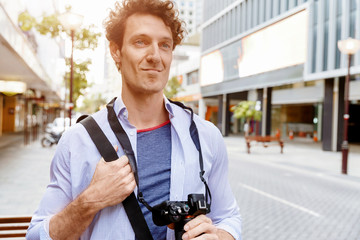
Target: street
(283, 201)
(278, 197)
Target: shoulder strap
(109, 154)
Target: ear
(115, 53)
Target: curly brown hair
(116, 22)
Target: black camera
(180, 212)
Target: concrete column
(340, 115)
(260, 93)
(202, 108)
(266, 112)
(227, 114)
(224, 114)
(1, 113)
(328, 115)
(333, 124)
(220, 112)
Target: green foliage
(85, 38)
(247, 110)
(79, 80)
(92, 104)
(26, 21)
(172, 88)
(49, 25)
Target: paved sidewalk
(24, 174)
(298, 153)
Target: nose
(153, 54)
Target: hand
(199, 228)
(112, 182)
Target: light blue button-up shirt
(76, 158)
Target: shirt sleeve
(57, 194)
(224, 208)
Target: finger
(128, 177)
(198, 226)
(196, 221)
(206, 237)
(126, 169)
(129, 184)
(200, 230)
(121, 162)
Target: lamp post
(348, 46)
(71, 21)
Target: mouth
(151, 70)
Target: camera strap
(126, 145)
(131, 205)
(107, 151)
(195, 137)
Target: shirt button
(131, 133)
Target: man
(84, 197)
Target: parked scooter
(50, 138)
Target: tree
(79, 78)
(85, 38)
(248, 110)
(172, 88)
(92, 103)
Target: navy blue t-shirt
(154, 168)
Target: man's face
(146, 54)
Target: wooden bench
(14, 227)
(265, 140)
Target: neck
(145, 111)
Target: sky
(94, 12)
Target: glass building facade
(283, 53)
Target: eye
(165, 46)
(140, 42)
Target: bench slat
(14, 227)
(21, 219)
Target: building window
(315, 23)
(326, 36)
(338, 33)
(192, 77)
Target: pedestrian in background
(85, 195)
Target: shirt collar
(120, 108)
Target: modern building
(28, 77)
(190, 12)
(284, 54)
(185, 66)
